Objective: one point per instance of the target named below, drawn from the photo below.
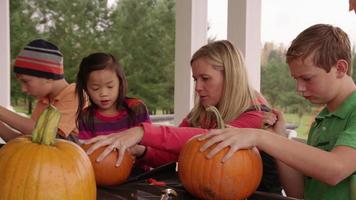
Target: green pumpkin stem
(219, 120)
(38, 130)
(46, 126)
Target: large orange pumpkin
(106, 173)
(45, 168)
(210, 179)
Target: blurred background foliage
(141, 34)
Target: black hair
(94, 62)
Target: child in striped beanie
(40, 58)
(39, 68)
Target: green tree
(77, 27)
(279, 87)
(144, 32)
(22, 30)
(140, 33)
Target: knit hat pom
(40, 58)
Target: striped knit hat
(40, 58)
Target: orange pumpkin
(210, 179)
(45, 168)
(106, 173)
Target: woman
(220, 80)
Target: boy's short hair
(328, 43)
(40, 58)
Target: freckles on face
(209, 82)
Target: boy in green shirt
(319, 60)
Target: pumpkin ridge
(210, 175)
(222, 174)
(27, 167)
(205, 188)
(192, 157)
(210, 179)
(73, 168)
(15, 159)
(63, 158)
(7, 172)
(199, 171)
(4, 161)
(181, 165)
(83, 163)
(41, 159)
(35, 169)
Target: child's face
(103, 89)
(314, 83)
(35, 86)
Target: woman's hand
(120, 141)
(138, 150)
(235, 138)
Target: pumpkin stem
(37, 132)
(46, 126)
(219, 120)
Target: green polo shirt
(332, 129)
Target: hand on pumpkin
(120, 141)
(235, 138)
(137, 150)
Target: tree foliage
(279, 87)
(140, 33)
(145, 33)
(22, 30)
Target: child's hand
(269, 119)
(234, 138)
(279, 127)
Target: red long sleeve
(165, 142)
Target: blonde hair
(328, 43)
(238, 96)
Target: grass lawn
(20, 109)
(303, 123)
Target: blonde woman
(220, 80)
(319, 60)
